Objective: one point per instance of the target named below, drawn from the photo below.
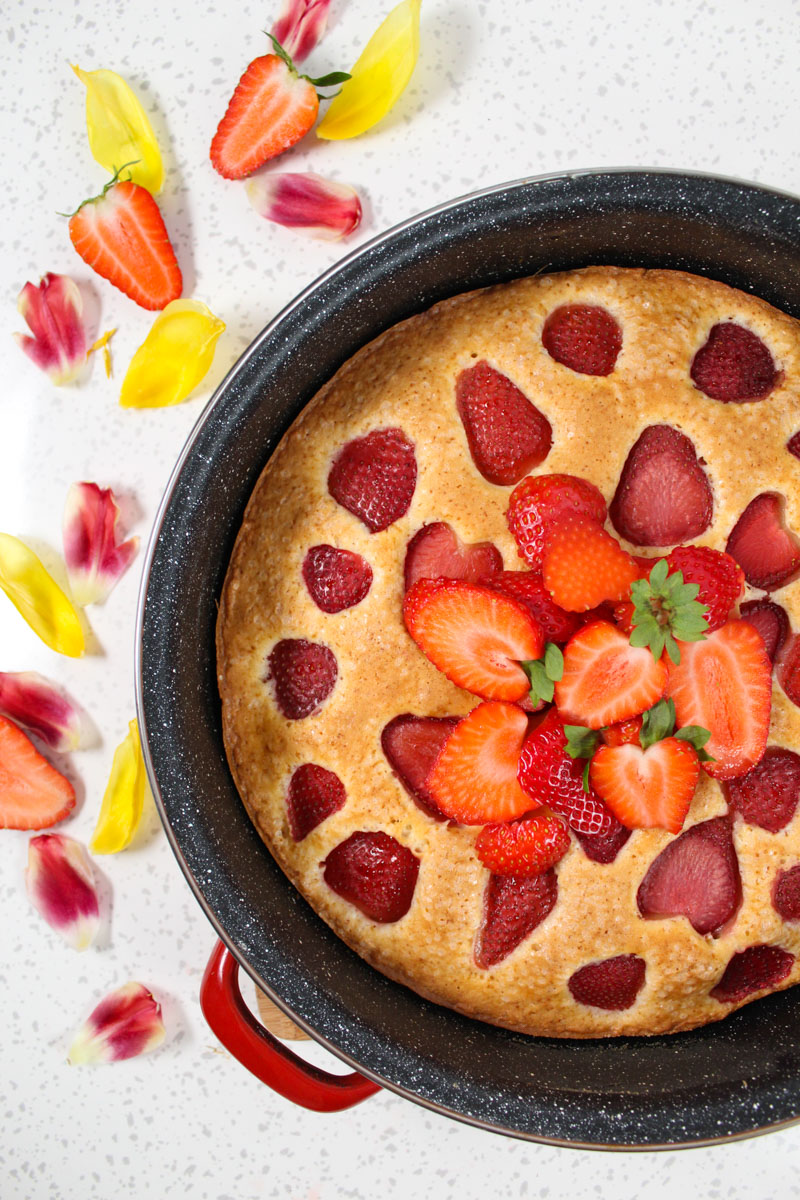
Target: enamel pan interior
(727, 1080)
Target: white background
(502, 90)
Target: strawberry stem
(114, 179)
(325, 81)
(666, 611)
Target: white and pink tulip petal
(300, 26)
(95, 557)
(53, 312)
(306, 202)
(126, 1023)
(61, 887)
(42, 708)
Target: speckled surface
(710, 87)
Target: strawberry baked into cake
(508, 657)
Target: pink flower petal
(53, 312)
(95, 558)
(300, 26)
(126, 1023)
(61, 887)
(314, 205)
(42, 708)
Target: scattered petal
(174, 357)
(95, 557)
(308, 202)
(126, 1023)
(102, 344)
(120, 133)
(379, 76)
(300, 26)
(38, 598)
(42, 708)
(60, 884)
(53, 312)
(123, 799)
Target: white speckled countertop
(501, 91)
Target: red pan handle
(267, 1058)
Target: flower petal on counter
(102, 343)
(174, 357)
(96, 559)
(300, 26)
(42, 708)
(53, 312)
(60, 885)
(306, 202)
(38, 598)
(120, 133)
(126, 1023)
(379, 76)
(123, 799)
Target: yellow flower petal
(173, 358)
(119, 130)
(379, 76)
(36, 595)
(123, 799)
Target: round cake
(489, 516)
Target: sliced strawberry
(752, 970)
(374, 872)
(583, 565)
(314, 794)
(474, 635)
(524, 847)
(734, 365)
(768, 794)
(663, 496)
(374, 477)
(719, 577)
(767, 552)
(650, 788)
(528, 588)
(626, 733)
(33, 794)
(474, 778)
(541, 500)
(604, 848)
(303, 675)
(607, 680)
(336, 579)
(788, 669)
(793, 444)
(771, 622)
(412, 745)
(695, 876)
(786, 894)
(507, 435)
(436, 552)
(513, 906)
(549, 776)
(613, 983)
(583, 337)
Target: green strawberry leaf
(657, 723)
(543, 673)
(697, 737)
(553, 662)
(581, 741)
(666, 611)
(586, 785)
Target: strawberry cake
(508, 653)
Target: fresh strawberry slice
(719, 577)
(695, 876)
(786, 894)
(788, 669)
(613, 983)
(752, 970)
(524, 847)
(436, 552)
(475, 636)
(549, 776)
(528, 588)
(767, 552)
(33, 794)
(724, 684)
(650, 788)
(768, 794)
(539, 501)
(303, 675)
(474, 778)
(513, 907)
(734, 365)
(583, 565)
(770, 620)
(374, 872)
(663, 495)
(336, 579)
(412, 745)
(121, 235)
(607, 680)
(604, 848)
(314, 794)
(583, 337)
(507, 435)
(374, 477)
(626, 733)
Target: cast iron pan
(724, 1081)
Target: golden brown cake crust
(405, 378)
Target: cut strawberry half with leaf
(584, 337)
(666, 611)
(719, 578)
(412, 745)
(695, 876)
(524, 847)
(506, 433)
(771, 621)
(436, 552)
(374, 477)
(513, 907)
(539, 501)
(612, 984)
(474, 778)
(752, 970)
(767, 552)
(734, 365)
(583, 565)
(550, 777)
(607, 680)
(528, 588)
(663, 496)
(33, 794)
(650, 788)
(768, 794)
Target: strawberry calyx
(115, 178)
(324, 81)
(544, 673)
(666, 611)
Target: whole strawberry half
(474, 778)
(539, 501)
(650, 788)
(734, 365)
(584, 566)
(663, 496)
(584, 337)
(523, 847)
(607, 680)
(549, 776)
(764, 547)
(720, 579)
(506, 433)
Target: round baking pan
(727, 1080)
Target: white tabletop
(502, 90)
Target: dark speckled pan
(724, 1081)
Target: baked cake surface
(406, 380)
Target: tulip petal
(379, 76)
(126, 1023)
(123, 799)
(120, 133)
(42, 708)
(174, 357)
(53, 312)
(300, 26)
(60, 885)
(95, 558)
(38, 598)
(102, 343)
(307, 202)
